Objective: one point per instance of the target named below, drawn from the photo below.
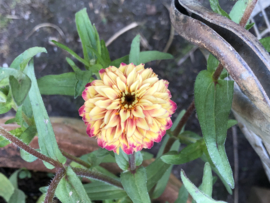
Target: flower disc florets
(128, 108)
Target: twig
(132, 164)
(184, 58)
(97, 176)
(75, 159)
(217, 72)
(235, 157)
(169, 42)
(251, 5)
(51, 190)
(122, 31)
(28, 149)
(46, 25)
(179, 127)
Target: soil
(19, 17)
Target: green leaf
(162, 183)
(27, 136)
(213, 105)
(134, 55)
(82, 77)
(105, 53)
(145, 57)
(3, 97)
(87, 33)
(102, 191)
(135, 185)
(122, 160)
(189, 153)
(21, 61)
(249, 26)
(198, 195)
(70, 189)
(85, 62)
(206, 158)
(46, 137)
(207, 183)
(188, 137)
(99, 57)
(231, 123)
(96, 157)
(212, 64)
(238, 10)
(163, 145)
(10, 121)
(41, 199)
(24, 174)
(154, 175)
(266, 43)
(217, 9)
(177, 120)
(17, 197)
(63, 84)
(6, 188)
(138, 158)
(182, 195)
(146, 155)
(19, 89)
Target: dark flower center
(129, 99)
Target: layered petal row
(128, 108)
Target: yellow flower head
(128, 108)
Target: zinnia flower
(128, 108)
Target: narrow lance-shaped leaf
(102, 191)
(63, 84)
(70, 189)
(87, 34)
(198, 195)
(134, 55)
(182, 195)
(145, 57)
(86, 63)
(83, 77)
(213, 104)
(135, 185)
(216, 8)
(162, 183)
(27, 137)
(18, 196)
(6, 188)
(238, 10)
(122, 160)
(22, 60)
(189, 153)
(46, 137)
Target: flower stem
(179, 127)
(51, 190)
(251, 5)
(75, 159)
(28, 149)
(97, 176)
(132, 162)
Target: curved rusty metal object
(238, 51)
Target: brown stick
(75, 159)
(51, 190)
(97, 176)
(28, 149)
(251, 5)
(179, 126)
